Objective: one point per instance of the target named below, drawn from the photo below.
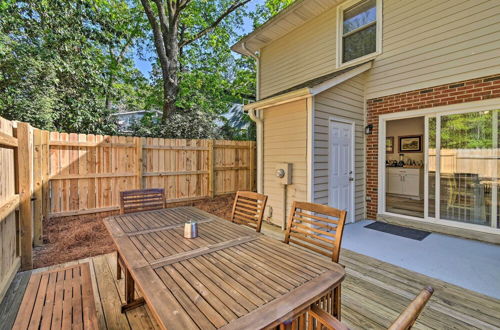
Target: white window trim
(340, 18)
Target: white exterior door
(341, 176)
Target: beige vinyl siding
(425, 43)
(343, 101)
(429, 43)
(305, 53)
(285, 140)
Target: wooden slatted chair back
(142, 200)
(316, 227)
(248, 209)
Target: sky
(145, 66)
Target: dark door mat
(398, 230)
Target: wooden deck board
(12, 300)
(373, 294)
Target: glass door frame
(426, 166)
(427, 114)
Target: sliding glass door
(463, 167)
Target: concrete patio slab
(466, 263)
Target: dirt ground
(73, 238)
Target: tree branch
(164, 22)
(181, 4)
(212, 26)
(128, 41)
(157, 35)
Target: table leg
(118, 267)
(130, 301)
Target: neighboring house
(345, 87)
(126, 119)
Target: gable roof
(282, 23)
(311, 87)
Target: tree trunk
(170, 92)
(107, 102)
(170, 71)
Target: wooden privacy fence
(483, 162)
(15, 205)
(45, 174)
(85, 173)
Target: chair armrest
(327, 320)
(408, 317)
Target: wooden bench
(59, 299)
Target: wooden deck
(373, 294)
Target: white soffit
(287, 20)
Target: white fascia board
(340, 79)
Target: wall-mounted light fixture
(368, 129)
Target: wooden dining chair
(248, 209)
(318, 228)
(142, 200)
(319, 319)
(139, 200)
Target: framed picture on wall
(389, 144)
(410, 143)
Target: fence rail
(45, 174)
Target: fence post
(23, 171)
(211, 169)
(37, 189)
(45, 175)
(138, 161)
(251, 165)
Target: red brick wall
(459, 92)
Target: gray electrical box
(283, 172)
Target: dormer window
(359, 30)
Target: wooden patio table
(230, 277)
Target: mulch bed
(78, 237)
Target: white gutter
(255, 115)
(280, 99)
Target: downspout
(256, 116)
(260, 159)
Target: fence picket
(37, 187)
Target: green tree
(61, 61)
(67, 65)
(210, 77)
(176, 25)
(190, 124)
(263, 12)
(124, 29)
